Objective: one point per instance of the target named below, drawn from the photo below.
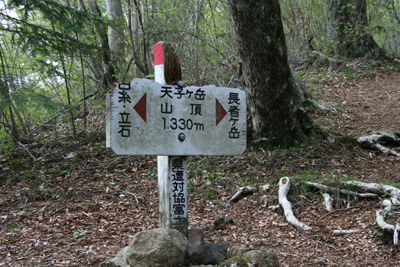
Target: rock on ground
(156, 247)
(196, 246)
(215, 253)
(265, 258)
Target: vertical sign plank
(178, 194)
(162, 161)
(172, 171)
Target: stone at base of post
(196, 246)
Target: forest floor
(79, 204)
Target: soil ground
(79, 204)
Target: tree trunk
(108, 72)
(349, 29)
(133, 26)
(5, 94)
(145, 42)
(276, 116)
(116, 36)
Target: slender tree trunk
(21, 120)
(349, 29)
(133, 33)
(109, 72)
(4, 93)
(66, 80)
(83, 90)
(276, 115)
(116, 35)
(145, 42)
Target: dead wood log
(335, 190)
(346, 232)
(375, 141)
(243, 192)
(380, 189)
(284, 186)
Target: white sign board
(148, 118)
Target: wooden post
(172, 171)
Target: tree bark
(4, 93)
(276, 115)
(116, 35)
(349, 29)
(108, 72)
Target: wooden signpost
(167, 119)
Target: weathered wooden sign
(149, 118)
(152, 118)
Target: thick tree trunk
(274, 103)
(349, 29)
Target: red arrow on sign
(221, 112)
(141, 107)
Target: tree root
(381, 215)
(327, 201)
(380, 221)
(284, 186)
(380, 189)
(335, 190)
(375, 142)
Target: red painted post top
(158, 54)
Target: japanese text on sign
(178, 191)
(146, 118)
(124, 122)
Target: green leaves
(44, 26)
(79, 234)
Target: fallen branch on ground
(243, 192)
(335, 211)
(132, 194)
(346, 232)
(27, 150)
(284, 186)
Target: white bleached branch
(284, 186)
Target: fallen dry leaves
(81, 204)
